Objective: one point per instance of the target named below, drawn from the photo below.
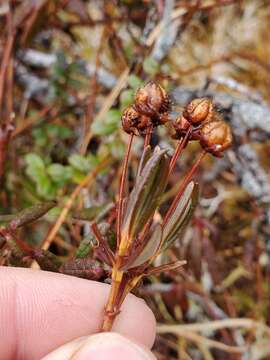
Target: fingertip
(136, 321)
(48, 309)
(102, 346)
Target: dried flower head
(198, 111)
(152, 100)
(216, 136)
(181, 125)
(134, 123)
(130, 120)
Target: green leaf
(145, 196)
(37, 172)
(134, 81)
(126, 98)
(77, 175)
(179, 220)
(35, 167)
(87, 243)
(107, 125)
(55, 131)
(79, 162)
(59, 173)
(84, 247)
(116, 148)
(83, 163)
(40, 137)
(34, 161)
(88, 214)
(150, 66)
(45, 187)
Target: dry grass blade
(201, 340)
(215, 325)
(189, 332)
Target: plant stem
(148, 136)
(112, 307)
(103, 244)
(180, 146)
(21, 245)
(183, 186)
(122, 188)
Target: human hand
(41, 311)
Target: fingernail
(112, 346)
(101, 346)
(65, 352)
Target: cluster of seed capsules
(199, 120)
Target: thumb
(101, 346)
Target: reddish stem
(6, 57)
(8, 235)
(180, 146)
(122, 188)
(148, 136)
(107, 251)
(182, 187)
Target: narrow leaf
(145, 196)
(181, 216)
(88, 214)
(84, 268)
(147, 152)
(85, 246)
(166, 267)
(149, 250)
(30, 214)
(47, 260)
(90, 240)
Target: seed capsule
(130, 120)
(216, 136)
(152, 100)
(198, 111)
(181, 125)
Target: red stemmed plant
(140, 238)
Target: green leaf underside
(85, 247)
(149, 250)
(179, 220)
(86, 244)
(146, 194)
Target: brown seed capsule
(152, 100)
(144, 124)
(198, 111)
(181, 125)
(216, 136)
(130, 120)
